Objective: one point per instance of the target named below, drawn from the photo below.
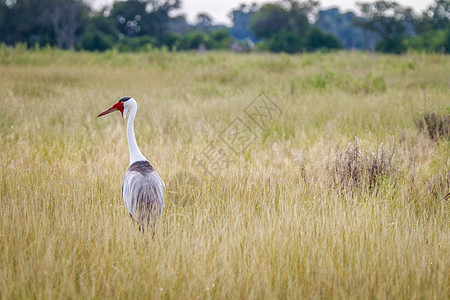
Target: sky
(220, 9)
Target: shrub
(354, 168)
(431, 41)
(317, 39)
(288, 42)
(394, 45)
(140, 43)
(436, 125)
(96, 41)
(193, 39)
(438, 185)
(221, 38)
(172, 40)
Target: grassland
(288, 218)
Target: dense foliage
(279, 26)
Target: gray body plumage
(143, 193)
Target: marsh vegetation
(341, 196)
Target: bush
(431, 41)
(446, 43)
(439, 184)
(436, 125)
(193, 39)
(221, 38)
(354, 168)
(292, 42)
(317, 39)
(288, 42)
(394, 45)
(140, 43)
(96, 41)
(172, 41)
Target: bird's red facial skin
(118, 106)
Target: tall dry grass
(286, 219)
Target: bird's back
(143, 193)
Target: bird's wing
(142, 189)
(158, 186)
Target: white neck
(135, 153)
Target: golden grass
(272, 225)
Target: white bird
(142, 189)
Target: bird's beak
(110, 110)
(118, 106)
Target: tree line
(289, 26)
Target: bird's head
(124, 105)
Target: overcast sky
(219, 9)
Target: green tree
(193, 39)
(270, 19)
(203, 21)
(288, 42)
(36, 29)
(128, 17)
(438, 14)
(388, 19)
(51, 22)
(317, 39)
(435, 17)
(139, 17)
(96, 41)
(221, 38)
(67, 18)
(284, 27)
(241, 21)
(446, 43)
(159, 17)
(342, 25)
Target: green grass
(272, 225)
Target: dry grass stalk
(356, 169)
(270, 228)
(436, 125)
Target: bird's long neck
(135, 153)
